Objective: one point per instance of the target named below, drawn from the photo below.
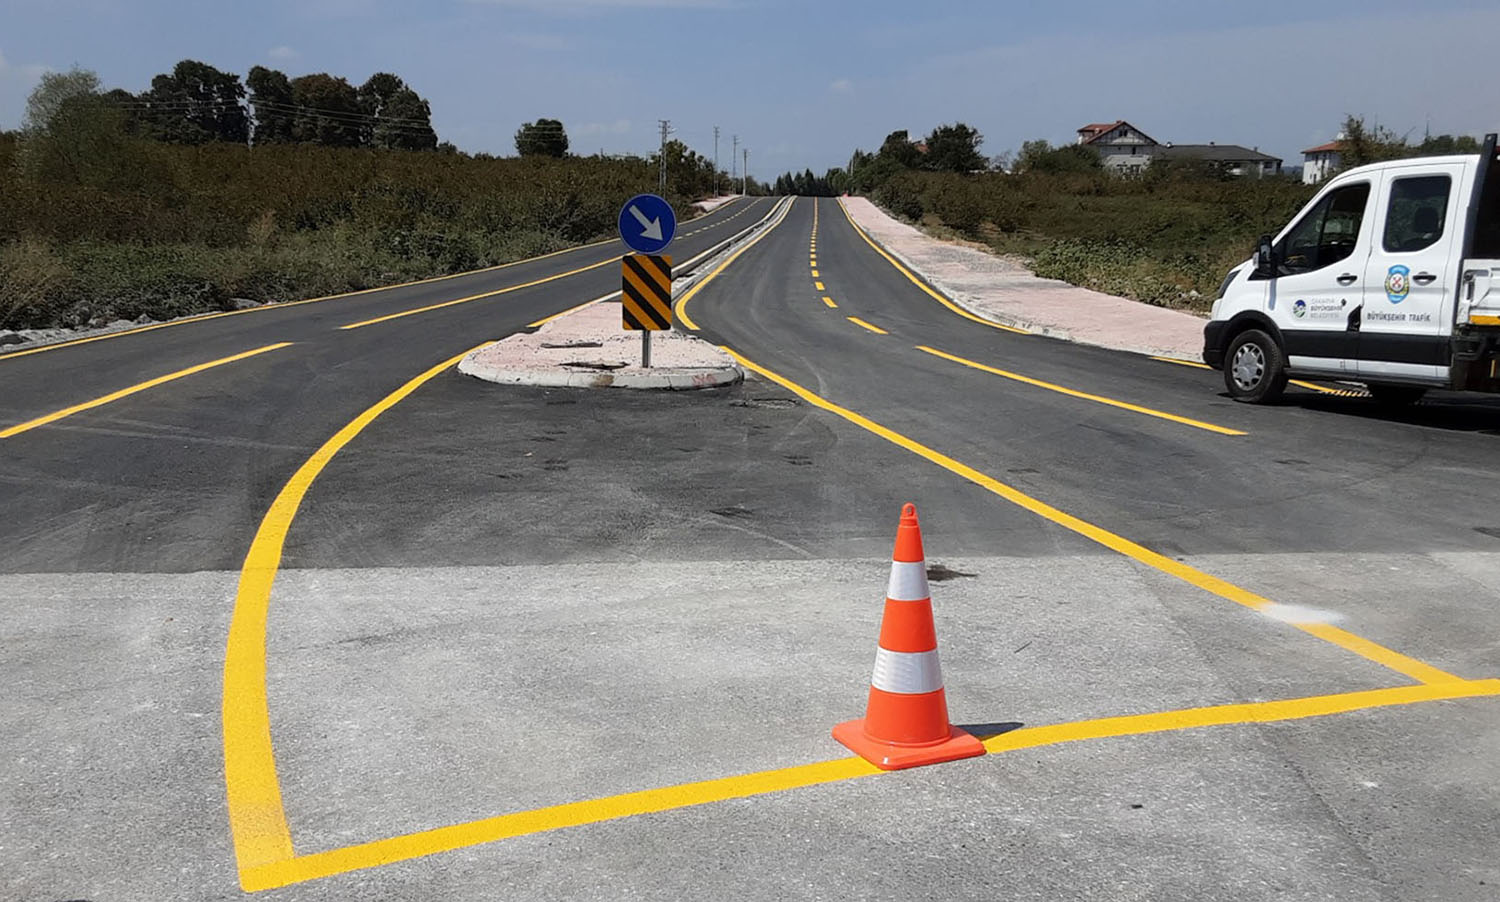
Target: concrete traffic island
(588, 349)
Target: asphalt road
(499, 600)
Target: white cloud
(842, 86)
(282, 53)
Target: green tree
(55, 89)
(954, 148)
(275, 109)
(327, 111)
(542, 138)
(397, 118)
(899, 149)
(1444, 145)
(195, 104)
(1362, 144)
(1039, 156)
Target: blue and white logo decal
(1398, 283)
(1299, 309)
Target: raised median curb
(588, 349)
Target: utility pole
(716, 161)
(734, 162)
(745, 176)
(666, 129)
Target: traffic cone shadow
(906, 718)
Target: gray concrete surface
(404, 699)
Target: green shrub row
(131, 228)
(1164, 240)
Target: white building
(1122, 147)
(1318, 163)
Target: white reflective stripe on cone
(908, 582)
(907, 672)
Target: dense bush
(1165, 239)
(133, 227)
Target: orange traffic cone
(906, 720)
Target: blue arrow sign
(647, 224)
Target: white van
(1390, 276)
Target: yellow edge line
(815, 274)
(138, 387)
(256, 816)
(671, 798)
(864, 325)
(682, 303)
(283, 305)
(1100, 399)
(1410, 667)
(829, 301)
(333, 297)
(478, 297)
(1191, 363)
(923, 285)
(1296, 382)
(818, 286)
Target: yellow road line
(682, 303)
(923, 285)
(1410, 667)
(1321, 389)
(864, 325)
(479, 297)
(256, 816)
(815, 274)
(1344, 392)
(318, 300)
(547, 319)
(138, 387)
(819, 286)
(1191, 363)
(829, 301)
(1073, 393)
(689, 795)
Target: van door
(1409, 288)
(1315, 297)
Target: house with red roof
(1122, 147)
(1318, 163)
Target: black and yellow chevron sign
(646, 304)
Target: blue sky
(804, 83)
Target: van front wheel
(1254, 368)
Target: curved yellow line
(256, 816)
(681, 307)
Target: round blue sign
(647, 224)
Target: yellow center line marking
(479, 297)
(1407, 666)
(1191, 363)
(923, 285)
(138, 387)
(681, 306)
(819, 286)
(285, 304)
(829, 301)
(864, 325)
(257, 818)
(815, 274)
(1073, 393)
(688, 795)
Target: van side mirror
(1265, 258)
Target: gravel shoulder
(1008, 293)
